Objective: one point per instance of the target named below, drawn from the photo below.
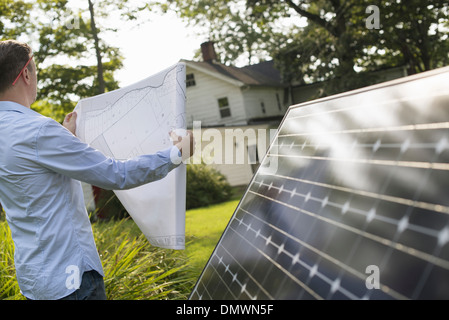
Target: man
(40, 165)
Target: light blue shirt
(41, 164)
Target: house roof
(261, 74)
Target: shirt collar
(14, 106)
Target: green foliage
(9, 288)
(336, 40)
(62, 85)
(235, 28)
(205, 186)
(15, 18)
(334, 43)
(63, 42)
(414, 33)
(134, 270)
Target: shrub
(206, 186)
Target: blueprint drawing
(137, 120)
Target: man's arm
(185, 144)
(60, 151)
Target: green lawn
(204, 227)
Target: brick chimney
(208, 51)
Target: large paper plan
(137, 120)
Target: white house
(222, 95)
(239, 104)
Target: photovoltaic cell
(350, 202)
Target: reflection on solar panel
(350, 202)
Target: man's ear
(27, 75)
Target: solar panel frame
(387, 222)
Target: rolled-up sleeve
(60, 151)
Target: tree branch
(313, 17)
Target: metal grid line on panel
(360, 180)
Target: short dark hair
(13, 57)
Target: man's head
(15, 78)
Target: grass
(134, 269)
(204, 227)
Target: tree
(73, 60)
(328, 47)
(93, 28)
(415, 34)
(335, 43)
(78, 42)
(14, 18)
(103, 10)
(238, 34)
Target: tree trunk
(101, 83)
(98, 192)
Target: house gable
(213, 99)
(202, 67)
(226, 95)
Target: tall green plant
(9, 288)
(135, 270)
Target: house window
(190, 80)
(223, 105)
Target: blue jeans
(91, 288)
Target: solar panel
(350, 202)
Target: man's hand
(70, 122)
(185, 144)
